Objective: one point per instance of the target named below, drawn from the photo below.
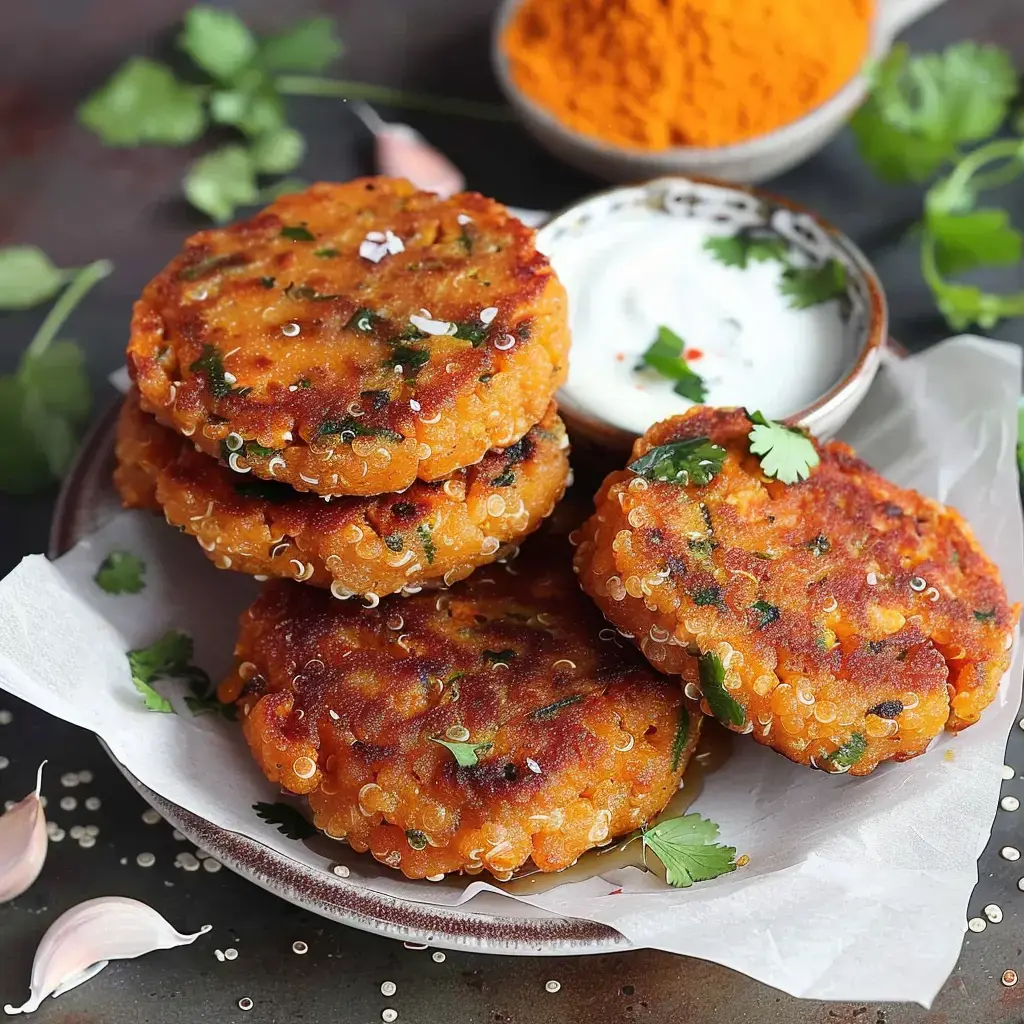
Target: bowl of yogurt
(687, 291)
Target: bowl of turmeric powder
(733, 89)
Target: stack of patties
(353, 389)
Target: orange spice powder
(651, 74)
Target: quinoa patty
(370, 546)
(848, 620)
(576, 739)
(310, 341)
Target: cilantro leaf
(849, 753)
(351, 428)
(964, 241)
(253, 108)
(810, 286)
(429, 548)
(218, 41)
(786, 452)
(144, 103)
(308, 45)
(278, 150)
(28, 277)
(665, 355)
(211, 364)
(723, 705)
(766, 613)
(740, 249)
(410, 359)
(221, 181)
(121, 572)
(466, 754)
(288, 819)
(921, 109)
(679, 740)
(543, 714)
(695, 460)
(985, 616)
(297, 233)
(167, 657)
(1020, 437)
(687, 848)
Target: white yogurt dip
(638, 269)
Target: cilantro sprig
(787, 453)
(288, 820)
(665, 356)
(242, 82)
(922, 118)
(121, 572)
(693, 461)
(170, 657)
(688, 848)
(467, 755)
(46, 401)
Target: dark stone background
(61, 190)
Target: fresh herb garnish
(849, 753)
(303, 293)
(506, 479)
(297, 233)
(693, 461)
(701, 548)
(121, 572)
(208, 266)
(289, 820)
(786, 452)
(46, 401)
(429, 548)
(474, 332)
(985, 616)
(168, 658)
(466, 754)
(766, 613)
(364, 320)
(326, 254)
(542, 714)
(410, 359)
(244, 82)
(819, 546)
(267, 282)
(394, 542)
(811, 286)
(416, 839)
(211, 363)
(744, 247)
(688, 849)
(350, 428)
(705, 596)
(723, 705)
(679, 740)
(665, 355)
(498, 657)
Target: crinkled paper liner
(856, 888)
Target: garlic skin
(80, 943)
(23, 843)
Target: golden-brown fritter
(577, 740)
(851, 620)
(307, 349)
(370, 546)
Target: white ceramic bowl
(750, 161)
(728, 208)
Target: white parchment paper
(856, 888)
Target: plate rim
(325, 894)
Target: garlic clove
(23, 843)
(401, 152)
(79, 944)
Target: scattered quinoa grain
(388, 1015)
(93, 803)
(145, 859)
(69, 779)
(1009, 978)
(219, 954)
(341, 870)
(187, 861)
(177, 836)
(300, 947)
(1009, 803)
(92, 830)
(68, 803)
(245, 1003)
(1008, 772)
(6, 717)
(993, 912)
(211, 865)
(1010, 853)
(85, 777)
(87, 842)
(150, 817)
(438, 956)
(977, 924)
(231, 953)
(76, 831)
(4, 762)
(552, 986)
(415, 945)
(388, 988)
(57, 835)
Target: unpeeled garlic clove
(79, 944)
(23, 843)
(403, 153)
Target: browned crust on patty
(889, 621)
(370, 546)
(325, 409)
(343, 704)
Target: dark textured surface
(61, 190)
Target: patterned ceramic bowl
(750, 161)
(856, 321)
